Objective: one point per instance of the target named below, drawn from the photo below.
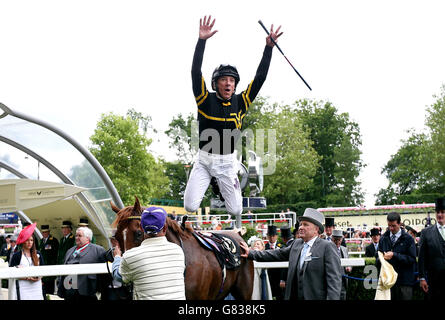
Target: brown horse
(203, 276)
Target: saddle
(226, 249)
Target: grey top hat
(337, 233)
(314, 216)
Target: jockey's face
(226, 87)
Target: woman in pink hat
(29, 288)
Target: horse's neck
(173, 237)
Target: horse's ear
(137, 205)
(113, 207)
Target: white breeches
(224, 169)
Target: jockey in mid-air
(220, 118)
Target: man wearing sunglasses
(220, 118)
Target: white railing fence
(13, 273)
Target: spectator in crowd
(66, 242)
(432, 255)
(215, 222)
(372, 248)
(288, 213)
(337, 238)
(261, 284)
(5, 247)
(83, 222)
(28, 288)
(275, 273)
(399, 250)
(156, 268)
(250, 215)
(258, 245)
(49, 248)
(287, 238)
(413, 233)
(314, 265)
(282, 215)
(328, 228)
(12, 249)
(88, 285)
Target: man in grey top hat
(337, 237)
(314, 265)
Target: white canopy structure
(47, 177)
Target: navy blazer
(404, 258)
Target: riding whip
(259, 21)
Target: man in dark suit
(82, 287)
(66, 242)
(399, 250)
(12, 249)
(371, 249)
(287, 238)
(274, 273)
(329, 228)
(432, 255)
(49, 248)
(314, 265)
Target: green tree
(120, 145)
(435, 121)
(181, 131)
(337, 141)
(295, 159)
(417, 169)
(406, 170)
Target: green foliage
(250, 232)
(417, 169)
(295, 159)
(337, 141)
(180, 133)
(122, 150)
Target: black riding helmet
(224, 70)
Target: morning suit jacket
(431, 252)
(64, 245)
(87, 284)
(49, 250)
(320, 274)
(404, 258)
(370, 251)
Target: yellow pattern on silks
(237, 118)
(245, 96)
(204, 93)
(387, 278)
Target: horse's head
(129, 233)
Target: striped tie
(393, 239)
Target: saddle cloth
(226, 249)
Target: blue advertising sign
(8, 218)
